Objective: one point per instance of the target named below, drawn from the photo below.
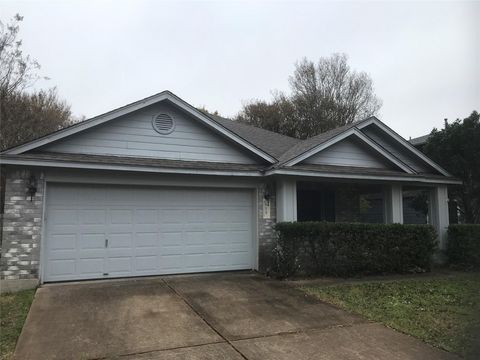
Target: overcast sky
(424, 58)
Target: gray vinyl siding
(348, 152)
(133, 135)
(398, 150)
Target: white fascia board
(91, 166)
(352, 131)
(334, 175)
(404, 143)
(166, 95)
(318, 148)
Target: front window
(416, 205)
(340, 202)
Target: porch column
(394, 204)
(438, 211)
(286, 199)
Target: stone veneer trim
(22, 226)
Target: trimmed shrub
(341, 249)
(463, 249)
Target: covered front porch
(363, 201)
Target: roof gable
(134, 135)
(400, 147)
(391, 145)
(128, 109)
(352, 152)
(336, 136)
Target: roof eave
(122, 167)
(342, 175)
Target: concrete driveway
(217, 316)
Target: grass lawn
(444, 312)
(13, 312)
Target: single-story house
(158, 187)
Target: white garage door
(96, 231)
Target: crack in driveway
(205, 320)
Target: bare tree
(323, 96)
(24, 115)
(17, 71)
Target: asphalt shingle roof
(270, 142)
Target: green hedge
(338, 249)
(463, 248)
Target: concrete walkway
(217, 316)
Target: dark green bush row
(322, 248)
(463, 248)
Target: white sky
(424, 57)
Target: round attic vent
(163, 124)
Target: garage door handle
(106, 242)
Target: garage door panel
(93, 216)
(149, 231)
(195, 262)
(196, 216)
(171, 262)
(91, 265)
(172, 216)
(121, 216)
(120, 241)
(119, 265)
(63, 242)
(62, 195)
(147, 240)
(62, 267)
(170, 250)
(171, 238)
(89, 195)
(146, 216)
(92, 241)
(64, 216)
(146, 262)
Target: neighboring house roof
(418, 141)
(281, 152)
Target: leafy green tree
(323, 96)
(457, 148)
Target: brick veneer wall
(265, 227)
(22, 226)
